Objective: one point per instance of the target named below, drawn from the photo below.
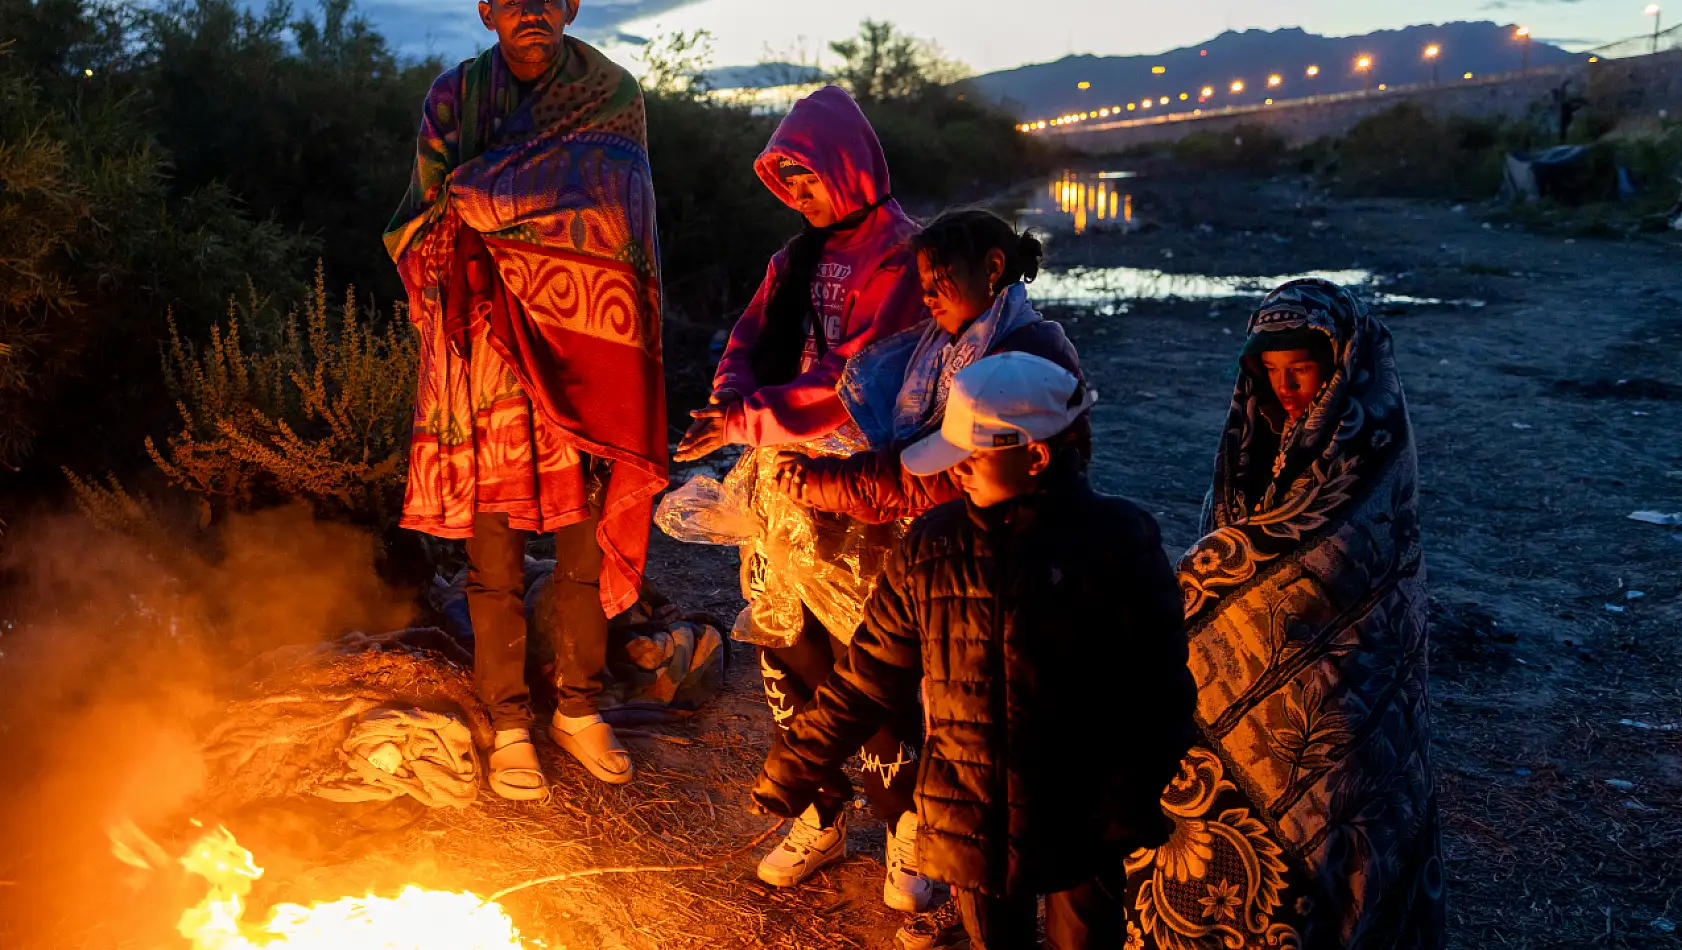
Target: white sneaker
(905, 889)
(808, 849)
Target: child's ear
(995, 269)
(1041, 457)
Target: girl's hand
(706, 435)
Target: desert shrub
(321, 412)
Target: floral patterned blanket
(1306, 816)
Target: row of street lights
(1363, 64)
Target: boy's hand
(791, 475)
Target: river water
(1079, 203)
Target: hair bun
(1032, 254)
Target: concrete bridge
(1637, 85)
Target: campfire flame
(416, 919)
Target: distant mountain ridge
(1047, 90)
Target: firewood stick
(666, 868)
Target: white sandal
(514, 772)
(598, 750)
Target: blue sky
(998, 34)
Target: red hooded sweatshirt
(866, 288)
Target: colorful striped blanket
(528, 248)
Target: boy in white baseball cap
(1044, 624)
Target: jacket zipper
(1001, 706)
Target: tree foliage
(882, 64)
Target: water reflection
(1083, 200)
(1111, 290)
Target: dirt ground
(1543, 420)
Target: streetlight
(1653, 11)
(1237, 86)
(1207, 92)
(1523, 34)
(1363, 65)
(1313, 71)
(1431, 54)
(1274, 81)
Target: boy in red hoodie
(848, 279)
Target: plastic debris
(791, 555)
(1615, 608)
(1638, 724)
(1622, 785)
(1663, 519)
(1663, 924)
(1523, 425)
(1634, 594)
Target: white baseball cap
(1000, 402)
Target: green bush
(98, 245)
(1408, 152)
(1250, 147)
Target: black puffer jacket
(1048, 637)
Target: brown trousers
(496, 601)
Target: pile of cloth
(377, 718)
(428, 756)
(358, 718)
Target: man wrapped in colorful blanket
(527, 245)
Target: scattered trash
(1663, 519)
(1520, 425)
(1622, 785)
(1615, 608)
(1634, 805)
(1675, 475)
(1167, 253)
(1634, 594)
(1637, 412)
(1662, 924)
(1458, 209)
(1522, 772)
(1443, 361)
(1647, 726)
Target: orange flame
(416, 919)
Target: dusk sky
(998, 34)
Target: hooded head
(827, 133)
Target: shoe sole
(775, 880)
(899, 900)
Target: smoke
(112, 657)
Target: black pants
(496, 601)
(1089, 917)
(792, 676)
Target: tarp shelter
(1568, 174)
